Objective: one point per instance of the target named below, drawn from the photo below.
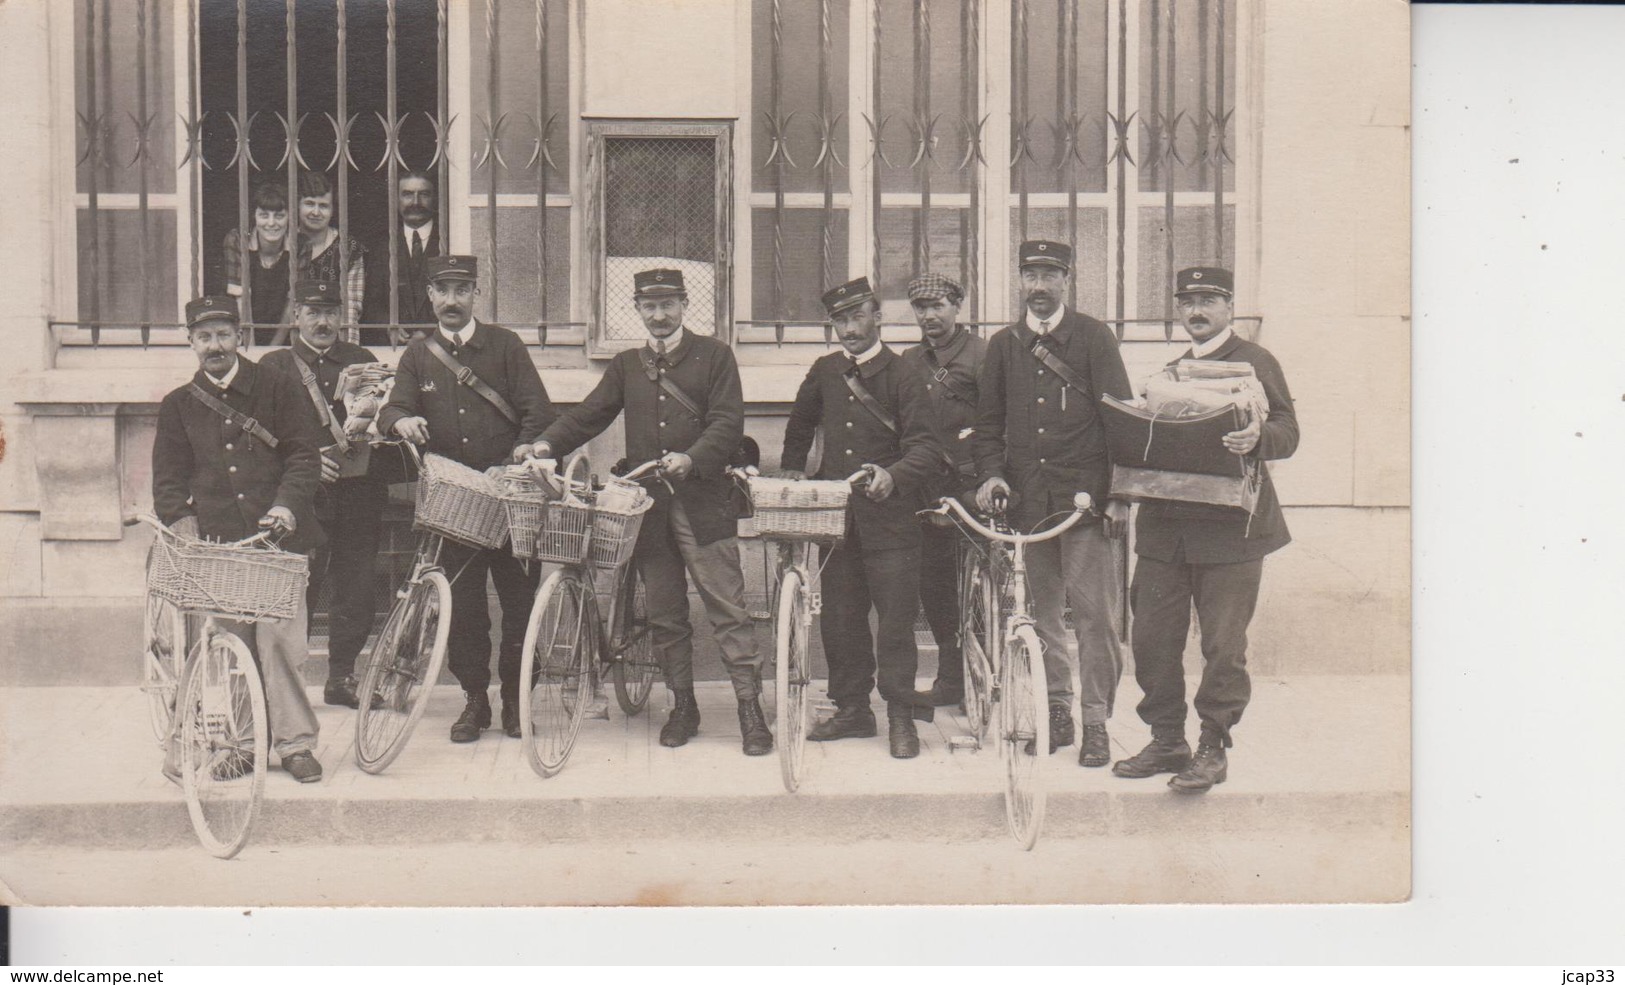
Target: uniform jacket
(656, 423)
(462, 424)
(854, 437)
(413, 307)
(204, 467)
(1200, 534)
(1035, 432)
(326, 366)
(952, 396)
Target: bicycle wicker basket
(563, 537)
(242, 582)
(525, 503)
(799, 509)
(460, 503)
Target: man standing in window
(684, 406)
(947, 360)
(1209, 556)
(350, 508)
(236, 453)
(1038, 441)
(490, 419)
(874, 413)
(417, 238)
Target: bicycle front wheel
(402, 667)
(631, 651)
(555, 671)
(1023, 735)
(163, 653)
(792, 626)
(224, 743)
(979, 640)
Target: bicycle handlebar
(263, 537)
(1082, 504)
(856, 480)
(650, 469)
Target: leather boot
(1164, 754)
(475, 718)
(1060, 727)
(1208, 768)
(340, 691)
(904, 740)
(1097, 746)
(756, 740)
(510, 718)
(684, 721)
(852, 722)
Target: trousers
(939, 599)
(469, 647)
(1077, 569)
(666, 561)
(1225, 596)
(351, 511)
(854, 581)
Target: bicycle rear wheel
(556, 670)
(224, 743)
(163, 654)
(1024, 735)
(402, 667)
(792, 627)
(978, 635)
(631, 651)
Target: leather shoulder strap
(324, 412)
(939, 374)
(1040, 351)
(466, 377)
(652, 371)
(868, 400)
(232, 417)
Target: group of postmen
(246, 446)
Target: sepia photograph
(706, 453)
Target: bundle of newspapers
(364, 388)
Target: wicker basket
(799, 509)
(526, 506)
(241, 582)
(563, 537)
(460, 503)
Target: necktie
(1043, 328)
(417, 246)
(660, 348)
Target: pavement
(1317, 808)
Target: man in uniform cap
(874, 413)
(1209, 556)
(350, 508)
(1039, 440)
(684, 406)
(236, 453)
(470, 392)
(948, 361)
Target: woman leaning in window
(267, 248)
(318, 249)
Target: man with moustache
(684, 406)
(416, 240)
(947, 360)
(470, 392)
(1039, 440)
(874, 413)
(1211, 557)
(235, 454)
(351, 508)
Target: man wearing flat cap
(236, 453)
(1039, 440)
(948, 361)
(874, 412)
(350, 507)
(1209, 557)
(470, 392)
(684, 406)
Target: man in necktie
(486, 418)
(1039, 440)
(683, 403)
(212, 478)
(874, 412)
(417, 238)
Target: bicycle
(798, 515)
(213, 700)
(1011, 672)
(565, 632)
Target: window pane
(804, 279)
(514, 267)
(120, 260)
(1092, 266)
(1193, 246)
(907, 40)
(1040, 52)
(1194, 57)
(518, 78)
(117, 43)
(898, 265)
(659, 211)
(800, 28)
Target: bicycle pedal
(958, 742)
(815, 603)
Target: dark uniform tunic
(951, 382)
(878, 563)
(657, 423)
(1212, 556)
(465, 427)
(351, 510)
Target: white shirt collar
(868, 353)
(1202, 349)
(1053, 320)
(231, 374)
(426, 230)
(672, 340)
(463, 336)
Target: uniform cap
(848, 295)
(1044, 253)
(1205, 280)
(657, 283)
(452, 268)
(210, 307)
